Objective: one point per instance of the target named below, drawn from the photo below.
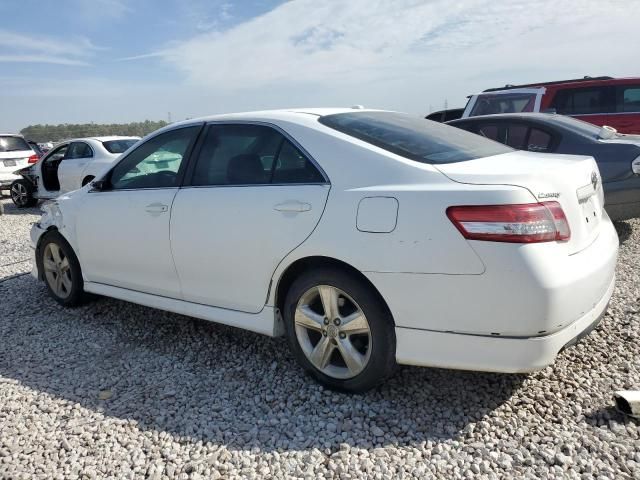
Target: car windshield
(413, 137)
(13, 144)
(119, 146)
(491, 104)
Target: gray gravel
(115, 390)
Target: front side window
(155, 163)
(78, 150)
(58, 153)
(413, 137)
(238, 154)
(630, 99)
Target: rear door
(78, 155)
(252, 197)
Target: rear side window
(539, 141)
(13, 144)
(491, 104)
(413, 137)
(584, 101)
(79, 150)
(517, 136)
(118, 146)
(629, 99)
(251, 155)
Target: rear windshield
(577, 126)
(118, 146)
(13, 144)
(491, 104)
(413, 137)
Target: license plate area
(9, 163)
(592, 212)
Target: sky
(115, 61)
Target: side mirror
(99, 185)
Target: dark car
(617, 155)
(445, 115)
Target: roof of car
(282, 114)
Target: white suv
(15, 153)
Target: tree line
(56, 133)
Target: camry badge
(549, 195)
(594, 180)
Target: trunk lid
(571, 180)
(14, 160)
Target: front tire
(22, 194)
(339, 330)
(61, 270)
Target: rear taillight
(34, 158)
(520, 223)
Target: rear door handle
(293, 206)
(156, 208)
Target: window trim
(556, 137)
(188, 177)
(186, 160)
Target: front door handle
(156, 208)
(293, 206)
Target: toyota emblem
(594, 180)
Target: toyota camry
(368, 238)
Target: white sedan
(68, 166)
(368, 238)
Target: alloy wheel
(57, 270)
(19, 194)
(333, 332)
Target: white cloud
(18, 47)
(405, 47)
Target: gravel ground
(115, 390)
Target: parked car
(617, 156)
(600, 100)
(67, 166)
(368, 238)
(445, 115)
(15, 152)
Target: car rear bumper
(6, 179)
(494, 353)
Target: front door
(123, 229)
(78, 155)
(251, 199)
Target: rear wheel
(340, 330)
(61, 270)
(22, 194)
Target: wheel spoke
(308, 318)
(66, 282)
(64, 264)
(321, 353)
(49, 265)
(329, 299)
(353, 359)
(355, 323)
(55, 253)
(58, 285)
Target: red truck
(597, 100)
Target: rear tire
(22, 194)
(339, 330)
(61, 270)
